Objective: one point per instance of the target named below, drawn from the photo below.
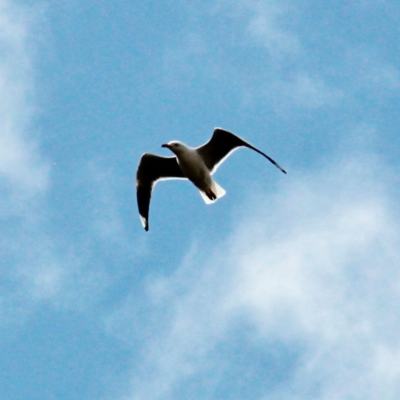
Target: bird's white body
(194, 168)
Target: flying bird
(196, 164)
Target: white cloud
(369, 70)
(303, 91)
(37, 264)
(287, 78)
(30, 268)
(299, 72)
(314, 268)
(268, 27)
(21, 166)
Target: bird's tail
(214, 193)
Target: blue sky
(286, 288)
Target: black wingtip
(276, 165)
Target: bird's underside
(204, 159)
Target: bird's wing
(151, 169)
(221, 144)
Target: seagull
(196, 164)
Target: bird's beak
(165, 145)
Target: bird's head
(175, 146)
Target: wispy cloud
(286, 78)
(370, 71)
(298, 71)
(21, 165)
(302, 91)
(309, 281)
(38, 262)
(31, 268)
(268, 26)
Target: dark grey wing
(221, 144)
(151, 169)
